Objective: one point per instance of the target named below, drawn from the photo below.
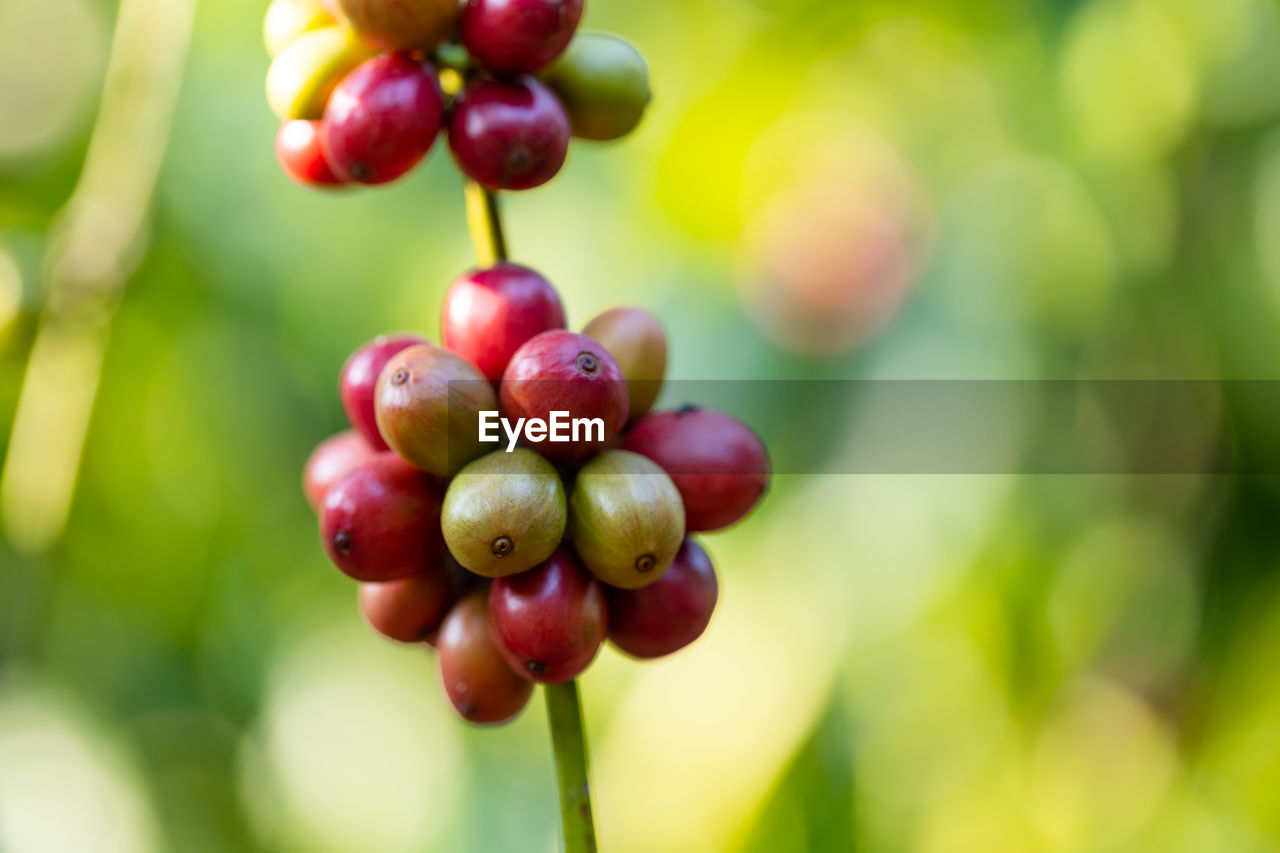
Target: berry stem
(564, 708)
(568, 741)
(485, 223)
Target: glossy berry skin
(636, 340)
(518, 36)
(549, 622)
(408, 610)
(718, 464)
(480, 684)
(382, 521)
(490, 313)
(300, 154)
(359, 381)
(603, 83)
(383, 118)
(331, 462)
(509, 135)
(671, 612)
(568, 372)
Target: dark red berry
(518, 36)
(549, 622)
(330, 463)
(360, 378)
(299, 151)
(480, 684)
(383, 118)
(510, 135)
(489, 314)
(569, 373)
(408, 610)
(669, 613)
(719, 465)
(383, 521)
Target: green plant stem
(568, 741)
(485, 221)
(564, 710)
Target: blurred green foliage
(1062, 188)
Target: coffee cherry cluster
(518, 562)
(364, 87)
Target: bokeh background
(823, 189)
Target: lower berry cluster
(518, 564)
(364, 87)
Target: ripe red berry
(518, 36)
(562, 371)
(299, 151)
(383, 118)
(360, 378)
(510, 135)
(409, 610)
(549, 622)
(669, 613)
(489, 314)
(480, 684)
(330, 463)
(719, 465)
(383, 521)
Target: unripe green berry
(307, 70)
(626, 520)
(504, 513)
(603, 83)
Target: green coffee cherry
(504, 513)
(304, 74)
(288, 19)
(604, 84)
(626, 519)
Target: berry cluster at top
(364, 87)
(518, 565)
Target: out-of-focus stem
(568, 741)
(94, 247)
(485, 222)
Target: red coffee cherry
(669, 613)
(566, 372)
(299, 151)
(330, 463)
(481, 686)
(360, 378)
(509, 135)
(719, 465)
(383, 118)
(518, 36)
(383, 521)
(489, 314)
(408, 610)
(549, 622)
